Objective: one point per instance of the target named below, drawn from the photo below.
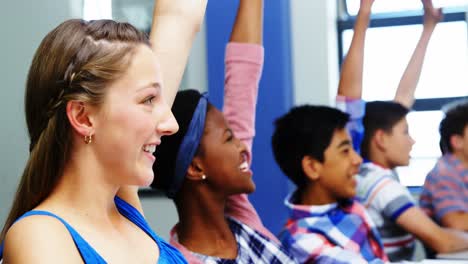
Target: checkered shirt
(253, 247)
(333, 233)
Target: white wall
(315, 51)
(24, 24)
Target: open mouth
(244, 166)
(150, 148)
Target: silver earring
(203, 177)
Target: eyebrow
(344, 143)
(155, 85)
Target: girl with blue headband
(205, 167)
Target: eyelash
(149, 100)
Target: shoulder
(40, 239)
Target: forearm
(450, 240)
(248, 26)
(172, 34)
(350, 84)
(410, 78)
(456, 220)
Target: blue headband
(188, 146)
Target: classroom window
(394, 31)
(394, 6)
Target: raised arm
(244, 63)
(175, 24)
(350, 85)
(410, 78)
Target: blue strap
(88, 254)
(1, 251)
(167, 253)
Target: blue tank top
(167, 253)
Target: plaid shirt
(334, 233)
(253, 247)
(446, 188)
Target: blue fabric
(189, 146)
(88, 254)
(167, 253)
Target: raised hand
(366, 5)
(432, 15)
(191, 10)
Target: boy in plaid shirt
(313, 148)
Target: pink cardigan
(244, 64)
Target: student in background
(205, 167)
(386, 144)
(445, 192)
(313, 148)
(94, 89)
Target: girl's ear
(195, 170)
(79, 116)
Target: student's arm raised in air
(175, 24)
(350, 85)
(440, 239)
(244, 63)
(407, 86)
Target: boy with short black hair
(313, 148)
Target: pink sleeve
(244, 63)
(187, 254)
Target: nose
(168, 124)
(412, 140)
(357, 159)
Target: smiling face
(337, 171)
(224, 158)
(131, 122)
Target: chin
(250, 189)
(145, 180)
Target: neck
(377, 157)
(83, 193)
(463, 159)
(314, 194)
(203, 227)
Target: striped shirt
(446, 188)
(379, 190)
(385, 199)
(334, 233)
